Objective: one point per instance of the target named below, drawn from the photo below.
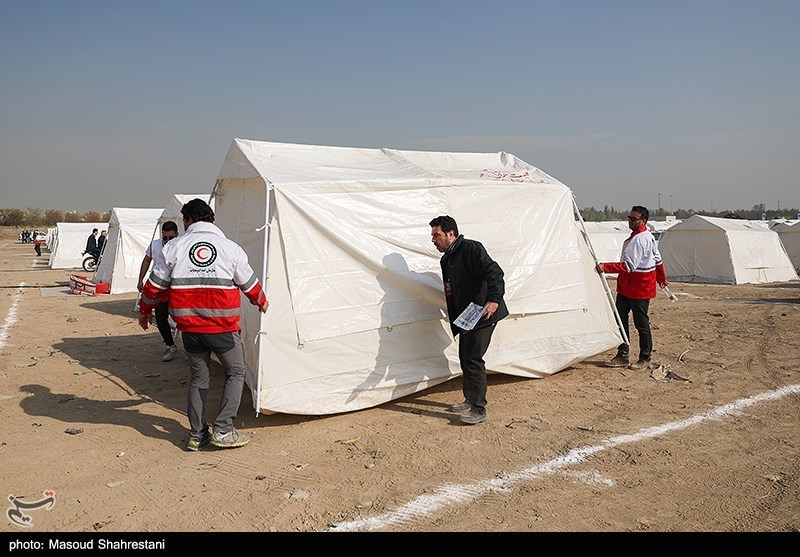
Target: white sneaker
(169, 353)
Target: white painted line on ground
(452, 494)
(11, 316)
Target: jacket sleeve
(486, 267)
(245, 278)
(156, 288)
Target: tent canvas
(172, 211)
(726, 251)
(606, 238)
(357, 315)
(130, 231)
(790, 238)
(69, 242)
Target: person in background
(101, 241)
(91, 243)
(154, 253)
(469, 275)
(203, 273)
(639, 271)
(37, 245)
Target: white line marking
(451, 494)
(11, 316)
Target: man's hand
(263, 308)
(600, 268)
(145, 319)
(140, 286)
(664, 284)
(491, 307)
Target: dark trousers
(228, 348)
(162, 322)
(38, 249)
(472, 346)
(639, 308)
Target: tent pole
(607, 288)
(262, 316)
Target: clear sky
(124, 103)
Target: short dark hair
(446, 223)
(642, 211)
(169, 226)
(94, 230)
(197, 210)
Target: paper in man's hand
(469, 317)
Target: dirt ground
(589, 449)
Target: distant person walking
(37, 246)
(469, 276)
(639, 271)
(154, 253)
(203, 274)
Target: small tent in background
(357, 311)
(172, 211)
(69, 243)
(790, 238)
(50, 238)
(726, 251)
(130, 231)
(658, 227)
(607, 238)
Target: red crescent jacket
(641, 266)
(203, 273)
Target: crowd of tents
(357, 315)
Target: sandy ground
(589, 449)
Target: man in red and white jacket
(203, 273)
(639, 271)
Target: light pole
(659, 202)
(670, 204)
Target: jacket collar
(204, 227)
(454, 246)
(639, 230)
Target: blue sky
(114, 103)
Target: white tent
(607, 238)
(173, 210)
(727, 251)
(130, 231)
(69, 242)
(790, 238)
(781, 224)
(51, 238)
(357, 313)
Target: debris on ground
(72, 319)
(664, 373)
(115, 484)
(73, 431)
(352, 441)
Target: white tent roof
(728, 251)
(357, 313)
(172, 211)
(130, 231)
(69, 242)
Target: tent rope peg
(260, 228)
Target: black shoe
(474, 416)
(460, 407)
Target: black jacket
(91, 244)
(473, 276)
(101, 241)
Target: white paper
(469, 317)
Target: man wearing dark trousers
(469, 276)
(639, 271)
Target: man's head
(196, 210)
(444, 232)
(169, 230)
(94, 231)
(104, 233)
(638, 217)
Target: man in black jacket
(470, 276)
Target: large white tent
(69, 243)
(130, 231)
(726, 251)
(357, 315)
(790, 238)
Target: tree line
(37, 218)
